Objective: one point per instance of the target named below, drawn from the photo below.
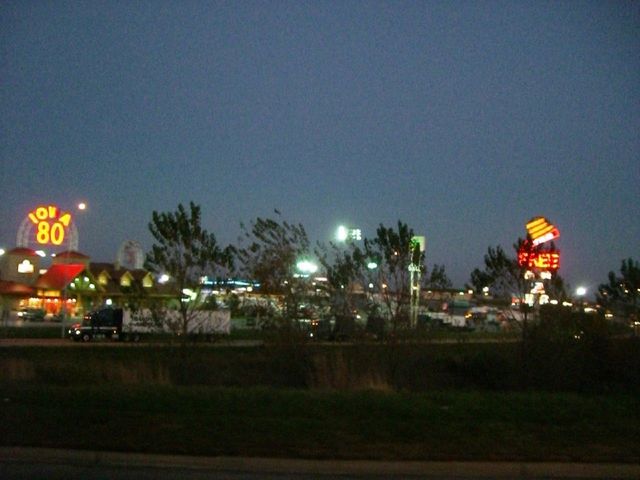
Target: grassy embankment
(461, 401)
(321, 424)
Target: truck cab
(104, 323)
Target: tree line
(271, 252)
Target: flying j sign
(541, 231)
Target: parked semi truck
(125, 325)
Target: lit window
(25, 267)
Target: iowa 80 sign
(48, 225)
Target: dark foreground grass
(465, 425)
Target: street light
(581, 292)
(306, 267)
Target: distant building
(71, 281)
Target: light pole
(580, 293)
(417, 247)
(81, 206)
(63, 311)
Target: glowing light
(581, 291)
(342, 233)
(305, 266)
(540, 260)
(188, 295)
(25, 267)
(82, 206)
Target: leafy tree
(186, 252)
(501, 273)
(274, 247)
(557, 289)
(506, 277)
(621, 292)
(393, 252)
(437, 279)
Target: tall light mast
(417, 247)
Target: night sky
(462, 119)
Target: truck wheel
(86, 337)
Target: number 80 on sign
(51, 224)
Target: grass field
(575, 400)
(463, 425)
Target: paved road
(67, 342)
(38, 463)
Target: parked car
(32, 314)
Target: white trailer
(204, 323)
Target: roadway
(36, 463)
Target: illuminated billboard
(544, 261)
(48, 226)
(541, 231)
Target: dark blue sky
(463, 119)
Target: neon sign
(50, 223)
(541, 231)
(539, 260)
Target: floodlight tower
(347, 234)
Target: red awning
(59, 276)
